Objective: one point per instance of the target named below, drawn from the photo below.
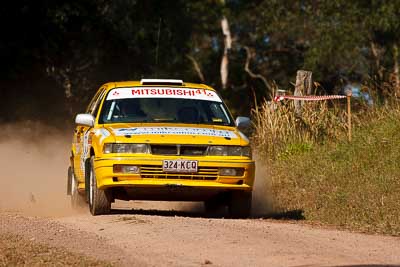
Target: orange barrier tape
(308, 97)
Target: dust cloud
(262, 204)
(34, 159)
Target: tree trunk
(303, 87)
(377, 55)
(251, 73)
(197, 68)
(227, 46)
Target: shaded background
(55, 54)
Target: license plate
(180, 165)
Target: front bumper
(152, 176)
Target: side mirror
(243, 122)
(84, 119)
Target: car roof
(122, 84)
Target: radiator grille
(164, 150)
(156, 172)
(185, 150)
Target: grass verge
(352, 185)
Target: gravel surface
(37, 224)
(164, 237)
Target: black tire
(87, 179)
(215, 207)
(69, 177)
(240, 204)
(98, 202)
(77, 200)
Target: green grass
(351, 185)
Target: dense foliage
(56, 53)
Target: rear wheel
(98, 201)
(240, 204)
(77, 200)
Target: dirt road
(35, 213)
(149, 237)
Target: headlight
(126, 148)
(244, 151)
(123, 168)
(231, 171)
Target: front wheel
(240, 204)
(216, 206)
(98, 201)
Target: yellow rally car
(160, 140)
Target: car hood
(176, 134)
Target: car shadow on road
(165, 213)
(296, 215)
(286, 215)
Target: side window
(89, 107)
(97, 104)
(218, 113)
(93, 106)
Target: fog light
(231, 171)
(119, 168)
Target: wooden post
(303, 86)
(349, 114)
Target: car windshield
(166, 110)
